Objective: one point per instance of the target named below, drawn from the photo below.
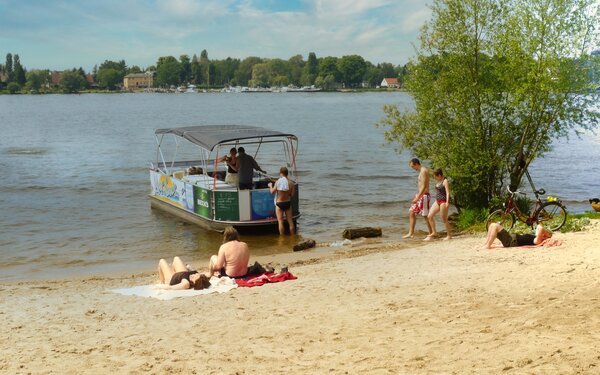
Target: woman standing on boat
(232, 167)
(284, 188)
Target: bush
(575, 224)
(472, 219)
(13, 87)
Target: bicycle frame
(511, 207)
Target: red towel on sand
(267, 277)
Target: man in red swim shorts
(420, 203)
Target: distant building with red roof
(390, 82)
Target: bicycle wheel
(507, 220)
(552, 215)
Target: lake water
(74, 184)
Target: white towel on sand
(217, 285)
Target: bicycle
(552, 213)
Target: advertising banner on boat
(227, 205)
(263, 205)
(175, 191)
(202, 202)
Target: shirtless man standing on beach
(232, 259)
(420, 203)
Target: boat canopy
(209, 136)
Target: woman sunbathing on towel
(512, 240)
(177, 276)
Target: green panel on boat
(227, 205)
(202, 202)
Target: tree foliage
(168, 71)
(72, 81)
(111, 73)
(495, 82)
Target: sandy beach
(441, 308)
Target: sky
(60, 34)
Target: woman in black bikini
(285, 189)
(177, 276)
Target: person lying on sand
(496, 231)
(177, 276)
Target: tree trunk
(306, 244)
(351, 233)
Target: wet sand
(444, 307)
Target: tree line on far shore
(328, 73)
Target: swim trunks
(421, 207)
(284, 205)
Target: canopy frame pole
(166, 170)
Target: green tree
(296, 66)
(243, 74)
(327, 83)
(328, 66)
(373, 75)
(494, 84)
(168, 71)
(109, 78)
(311, 70)
(134, 70)
(204, 65)
(352, 69)
(261, 75)
(186, 69)
(37, 79)
(111, 73)
(8, 67)
(71, 81)
(19, 71)
(387, 70)
(195, 73)
(13, 87)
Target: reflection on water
(75, 175)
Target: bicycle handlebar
(514, 192)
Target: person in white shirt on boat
(232, 167)
(284, 189)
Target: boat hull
(166, 206)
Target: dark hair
(284, 171)
(233, 150)
(415, 161)
(438, 172)
(241, 150)
(201, 283)
(230, 234)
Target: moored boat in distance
(191, 184)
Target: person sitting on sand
(177, 276)
(512, 240)
(232, 258)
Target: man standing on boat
(420, 203)
(246, 167)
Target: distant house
(390, 82)
(55, 78)
(90, 80)
(138, 81)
